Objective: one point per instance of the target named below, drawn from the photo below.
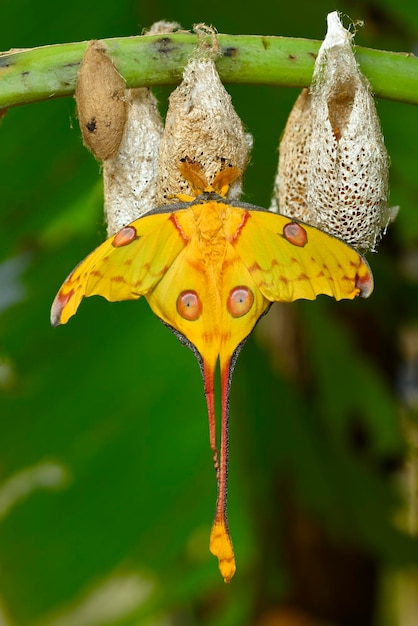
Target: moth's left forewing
(291, 261)
(124, 267)
(80, 282)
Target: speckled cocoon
(333, 165)
(130, 176)
(101, 106)
(201, 126)
(292, 176)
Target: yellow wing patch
(125, 267)
(291, 261)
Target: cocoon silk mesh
(130, 177)
(333, 165)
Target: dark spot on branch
(25, 73)
(5, 61)
(292, 57)
(313, 55)
(266, 43)
(164, 45)
(230, 52)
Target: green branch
(51, 71)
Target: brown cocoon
(100, 102)
(130, 176)
(201, 127)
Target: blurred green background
(107, 489)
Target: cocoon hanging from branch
(130, 177)
(201, 128)
(333, 165)
(101, 106)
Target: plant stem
(51, 71)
